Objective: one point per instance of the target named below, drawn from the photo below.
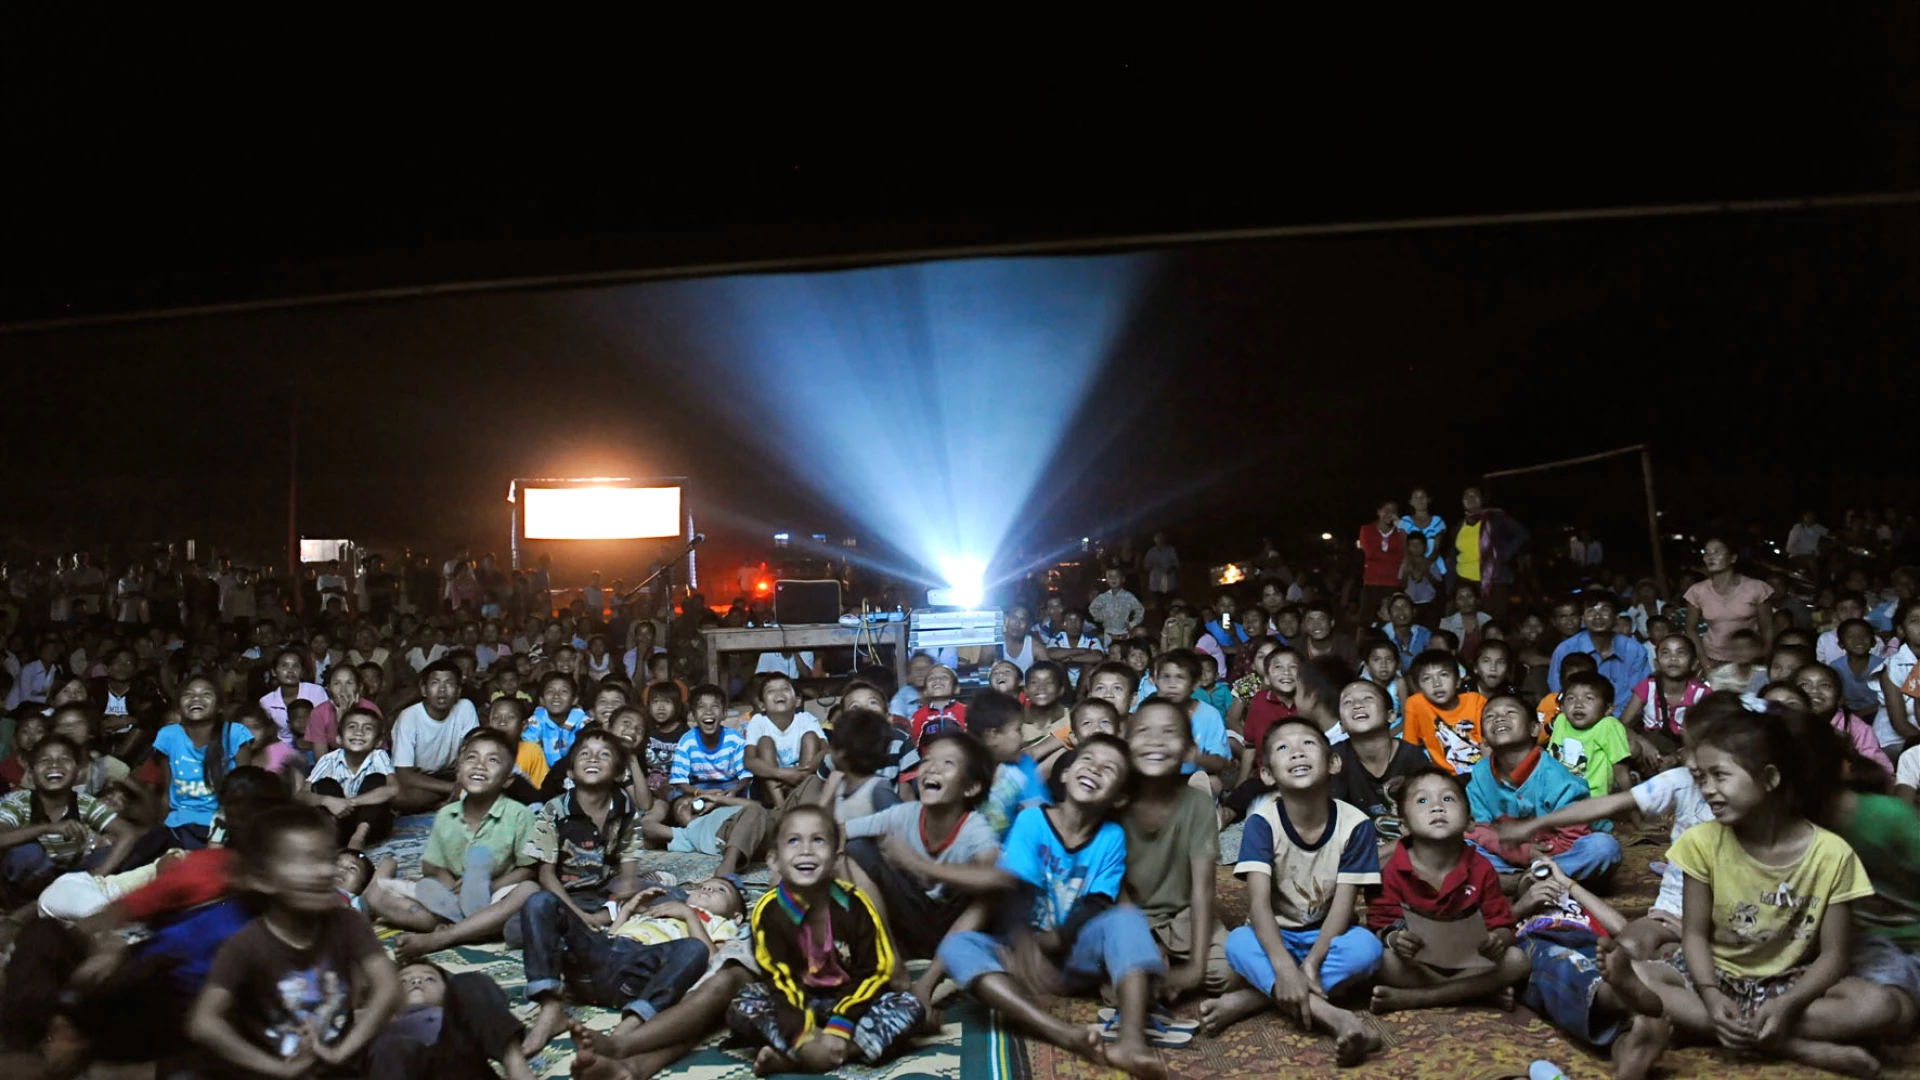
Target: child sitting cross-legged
(1305, 857)
(1063, 867)
(588, 842)
(52, 828)
(476, 873)
(1767, 929)
(995, 719)
(828, 960)
(305, 986)
(1517, 780)
(710, 759)
(1435, 875)
(1173, 846)
(784, 744)
(354, 781)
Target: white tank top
(1022, 659)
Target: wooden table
(810, 638)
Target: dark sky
(1270, 387)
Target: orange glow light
(601, 513)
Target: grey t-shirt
(903, 821)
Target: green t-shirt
(1592, 753)
(503, 832)
(1884, 833)
(1160, 864)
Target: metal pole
(293, 503)
(1653, 522)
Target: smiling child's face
(805, 848)
(942, 773)
(1817, 681)
(1043, 688)
(484, 768)
(1674, 657)
(504, 715)
(1361, 712)
(359, 733)
(716, 896)
(1158, 741)
(1297, 759)
(940, 684)
(1097, 776)
(781, 699)
(54, 769)
(1506, 723)
(708, 712)
(557, 698)
(1005, 678)
(594, 762)
(1283, 672)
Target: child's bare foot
(1135, 1058)
(769, 1061)
(358, 841)
(1833, 1057)
(1386, 999)
(1635, 1051)
(546, 1024)
(410, 947)
(1503, 999)
(1353, 1041)
(1616, 967)
(590, 1065)
(1221, 1013)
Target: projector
(951, 629)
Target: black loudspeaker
(798, 603)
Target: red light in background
(763, 586)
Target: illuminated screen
(600, 513)
(312, 551)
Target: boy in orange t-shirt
(1441, 719)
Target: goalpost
(1646, 475)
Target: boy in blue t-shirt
(994, 718)
(1064, 866)
(1517, 780)
(1305, 857)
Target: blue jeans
(1111, 946)
(1353, 955)
(1591, 857)
(563, 951)
(27, 870)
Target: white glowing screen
(600, 513)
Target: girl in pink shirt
(1822, 688)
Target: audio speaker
(799, 603)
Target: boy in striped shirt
(710, 759)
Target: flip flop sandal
(1158, 1036)
(1110, 1015)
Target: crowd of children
(1427, 810)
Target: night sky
(1257, 388)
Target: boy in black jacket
(827, 960)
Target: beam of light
(929, 401)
